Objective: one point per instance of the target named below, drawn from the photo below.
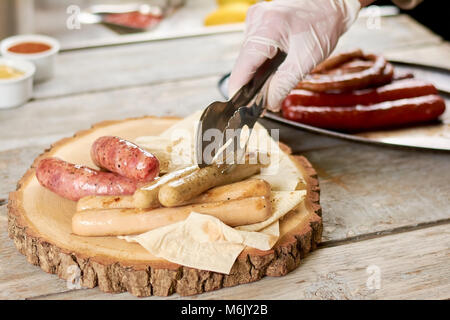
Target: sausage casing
(124, 158)
(238, 190)
(147, 195)
(113, 222)
(401, 89)
(381, 115)
(347, 81)
(182, 190)
(73, 182)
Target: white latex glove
(308, 30)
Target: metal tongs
(218, 136)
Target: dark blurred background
(432, 13)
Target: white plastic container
(44, 61)
(16, 91)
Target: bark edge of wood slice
(299, 235)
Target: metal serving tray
(435, 136)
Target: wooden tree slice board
(39, 222)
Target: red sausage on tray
(124, 158)
(73, 182)
(380, 115)
(326, 81)
(354, 91)
(400, 89)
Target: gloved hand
(307, 30)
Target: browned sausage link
(347, 81)
(386, 77)
(147, 195)
(351, 67)
(238, 190)
(125, 158)
(180, 191)
(73, 182)
(148, 198)
(336, 60)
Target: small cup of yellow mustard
(8, 72)
(16, 82)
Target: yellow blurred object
(228, 12)
(6, 72)
(222, 2)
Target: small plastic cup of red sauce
(38, 49)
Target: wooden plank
(107, 68)
(387, 33)
(409, 265)
(18, 278)
(368, 189)
(13, 165)
(43, 122)
(140, 64)
(431, 55)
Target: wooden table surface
(386, 211)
